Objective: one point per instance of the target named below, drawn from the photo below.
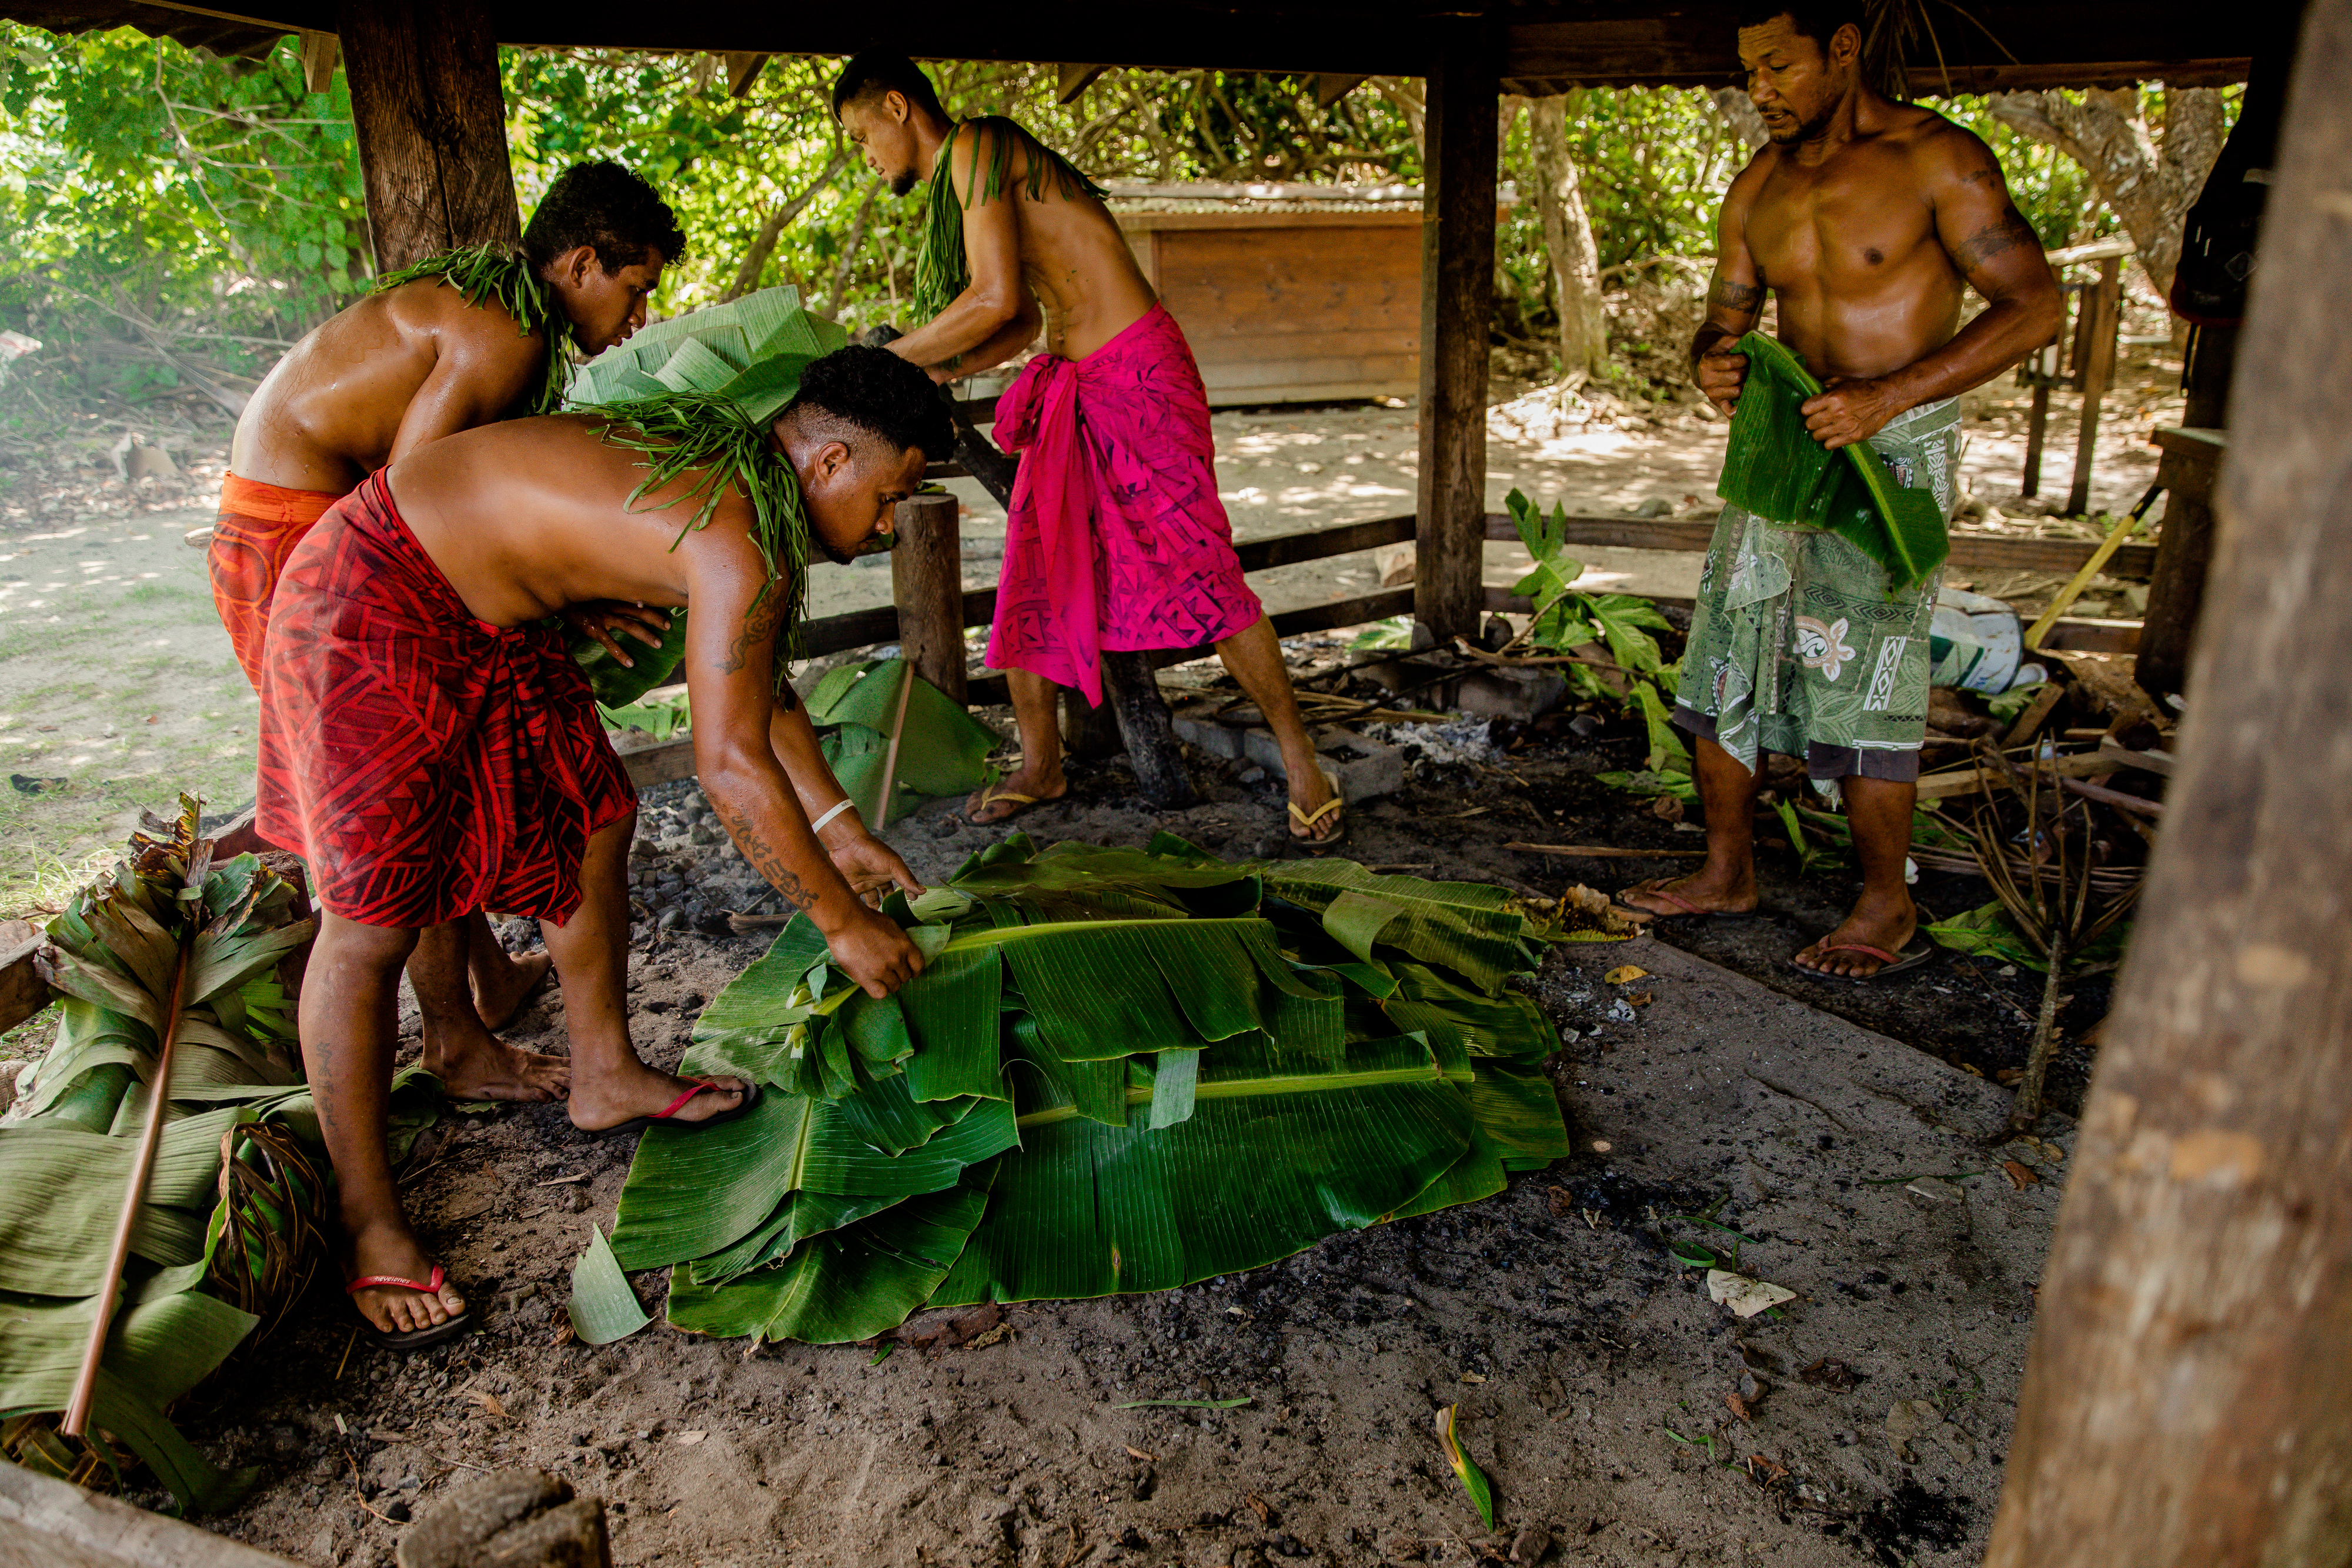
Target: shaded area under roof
(1983, 46)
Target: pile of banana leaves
(235, 1091)
(752, 350)
(1121, 1071)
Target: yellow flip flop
(1307, 820)
(1018, 799)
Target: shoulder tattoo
(2004, 234)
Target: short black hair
(880, 393)
(1816, 19)
(610, 209)
(874, 73)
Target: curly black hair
(1816, 19)
(880, 393)
(610, 209)
(875, 72)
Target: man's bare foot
(1311, 790)
(639, 1090)
(475, 1064)
(1889, 928)
(1701, 892)
(993, 803)
(500, 987)
(391, 1250)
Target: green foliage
(1119, 1071)
(942, 750)
(211, 206)
(1564, 619)
(1989, 932)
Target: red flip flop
(1916, 953)
(750, 1092)
(1655, 888)
(410, 1338)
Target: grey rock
(508, 1518)
(1656, 507)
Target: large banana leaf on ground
(1121, 1069)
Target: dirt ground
(1590, 1367)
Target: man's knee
(364, 947)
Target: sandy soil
(1590, 1367)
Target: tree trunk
(2150, 188)
(763, 244)
(1734, 104)
(431, 126)
(1568, 237)
(2185, 1401)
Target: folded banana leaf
(1774, 468)
(1121, 1070)
(64, 1162)
(942, 750)
(751, 349)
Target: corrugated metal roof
(1209, 196)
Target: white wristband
(818, 826)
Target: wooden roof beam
(743, 68)
(320, 52)
(1069, 81)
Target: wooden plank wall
(1290, 308)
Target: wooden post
(927, 582)
(2037, 427)
(1457, 300)
(432, 127)
(2185, 1400)
(2096, 364)
(2184, 552)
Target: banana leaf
(65, 1163)
(942, 750)
(1121, 1069)
(157, 1352)
(751, 350)
(1774, 468)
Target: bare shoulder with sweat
(485, 363)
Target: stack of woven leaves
(1121, 1071)
(228, 1230)
(751, 349)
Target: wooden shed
(1289, 293)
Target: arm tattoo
(2003, 234)
(1735, 296)
(759, 628)
(768, 863)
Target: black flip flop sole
(410, 1341)
(636, 1124)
